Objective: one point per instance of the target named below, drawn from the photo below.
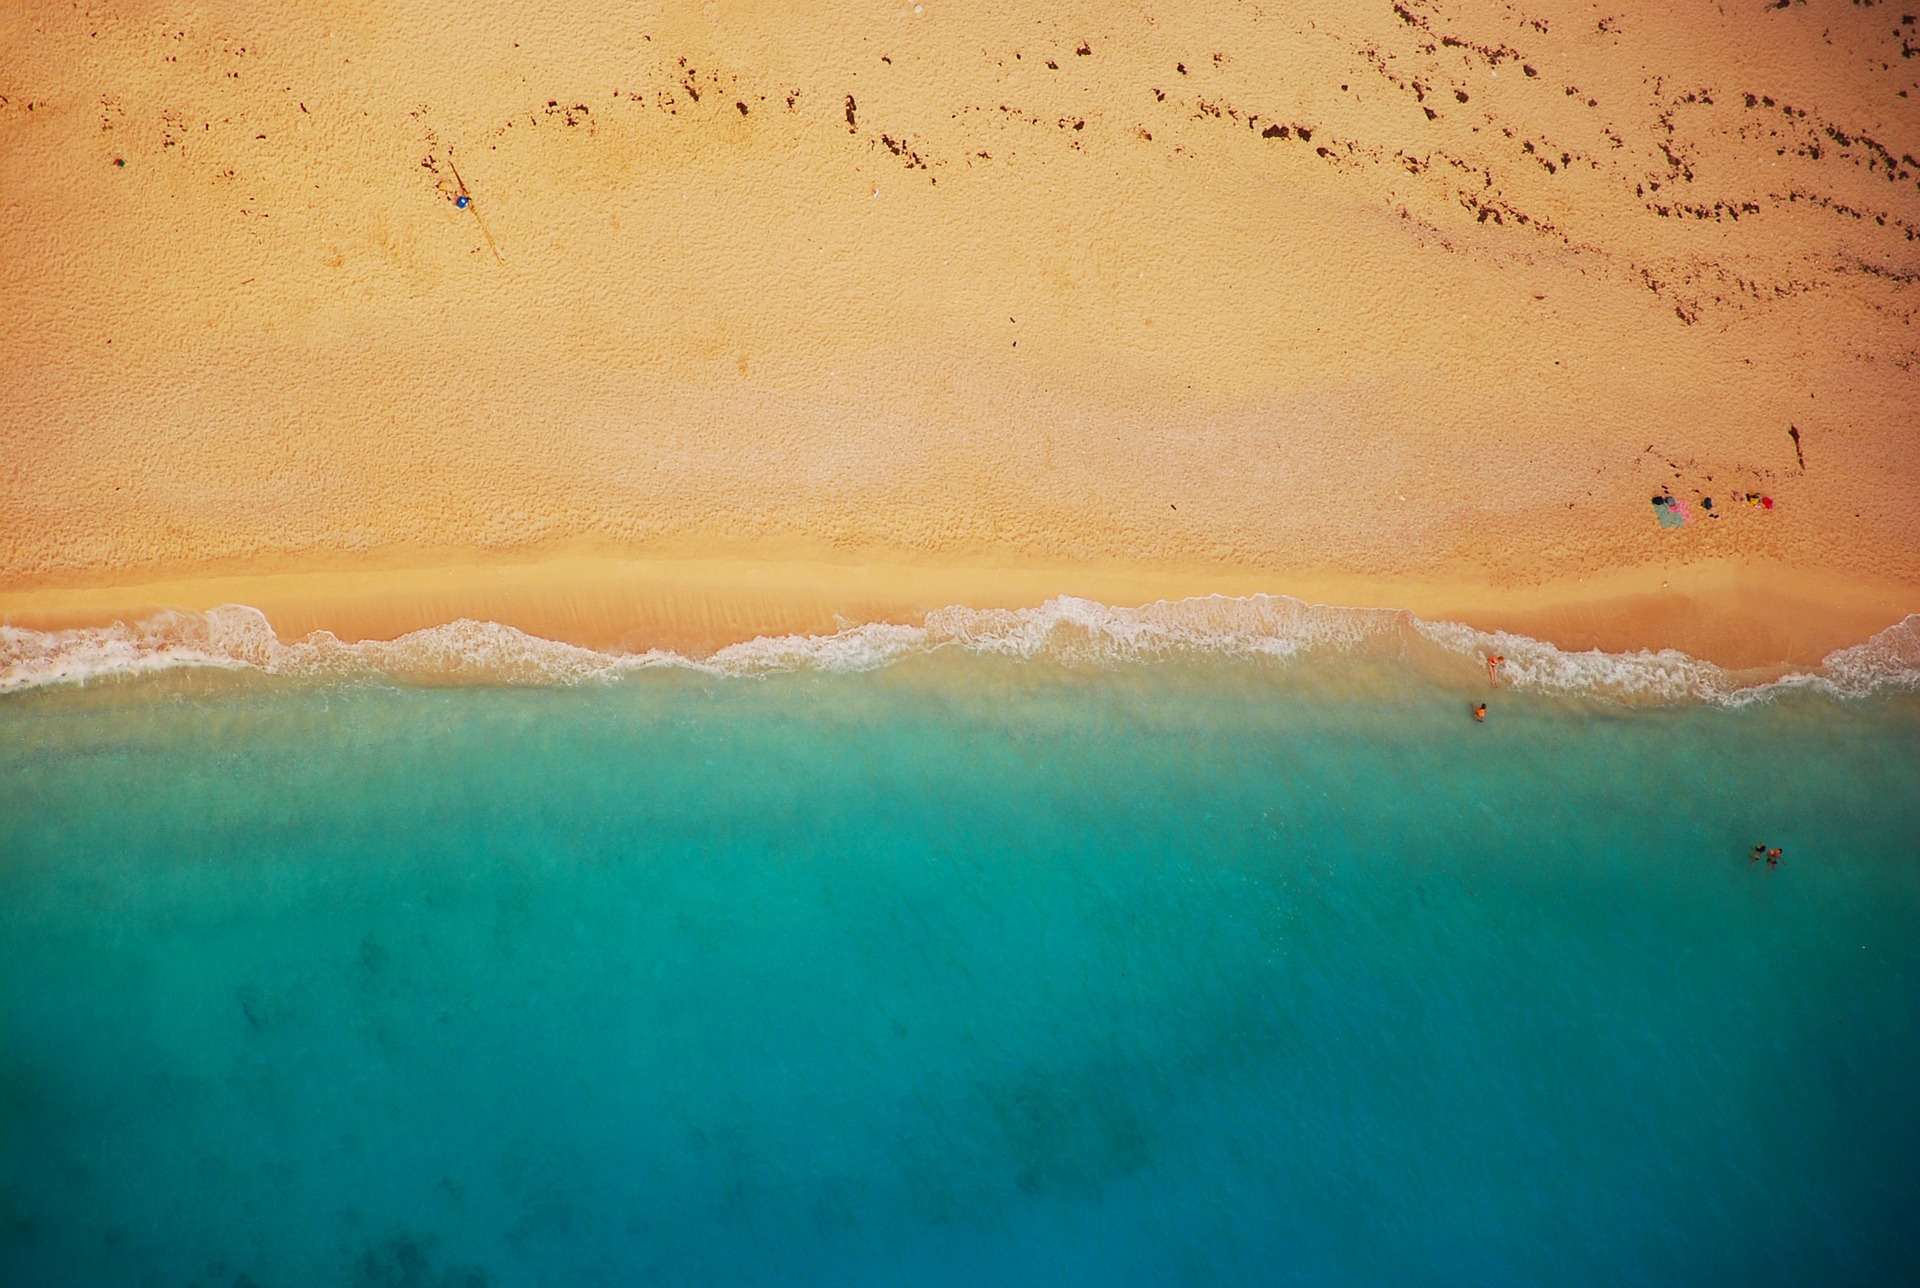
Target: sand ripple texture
(1063, 630)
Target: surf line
(236, 636)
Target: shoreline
(1737, 615)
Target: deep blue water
(969, 971)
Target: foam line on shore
(1063, 629)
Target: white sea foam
(1665, 676)
(1063, 629)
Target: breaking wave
(1063, 629)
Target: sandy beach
(694, 322)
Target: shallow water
(968, 971)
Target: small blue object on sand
(462, 200)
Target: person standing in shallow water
(1480, 712)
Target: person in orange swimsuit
(1480, 712)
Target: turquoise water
(968, 971)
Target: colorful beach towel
(1671, 511)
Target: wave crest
(1064, 629)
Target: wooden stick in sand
(475, 210)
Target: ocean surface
(981, 966)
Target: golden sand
(765, 315)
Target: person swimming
(1480, 712)
(1773, 857)
(1759, 852)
